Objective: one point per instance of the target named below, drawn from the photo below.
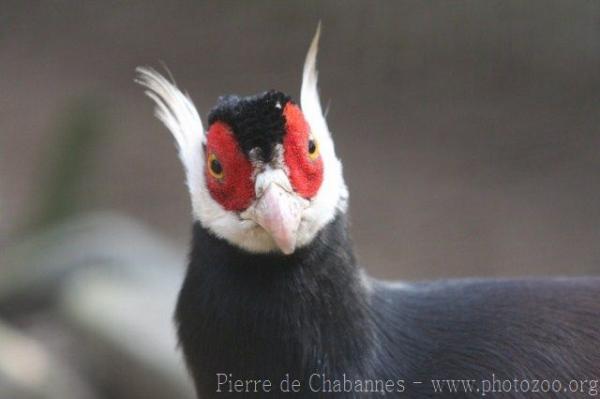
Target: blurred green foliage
(67, 161)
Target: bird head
(264, 174)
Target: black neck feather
(265, 315)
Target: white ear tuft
(333, 194)
(309, 94)
(176, 110)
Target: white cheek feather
(176, 110)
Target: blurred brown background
(469, 133)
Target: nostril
(271, 176)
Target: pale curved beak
(279, 211)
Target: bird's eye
(313, 149)
(214, 166)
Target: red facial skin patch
(234, 190)
(306, 174)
